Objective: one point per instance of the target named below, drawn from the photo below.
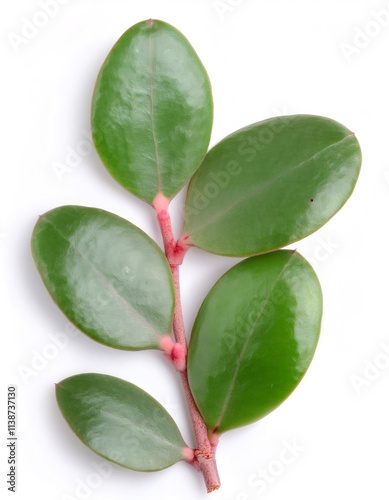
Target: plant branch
(204, 458)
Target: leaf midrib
(246, 344)
(105, 280)
(131, 423)
(137, 428)
(256, 190)
(152, 117)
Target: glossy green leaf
(120, 422)
(109, 278)
(270, 184)
(152, 110)
(254, 338)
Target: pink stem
(178, 320)
(204, 454)
(175, 251)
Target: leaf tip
(150, 21)
(40, 216)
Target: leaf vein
(105, 280)
(255, 190)
(152, 115)
(247, 342)
(125, 421)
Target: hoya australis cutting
(259, 189)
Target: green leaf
(109, 278)
(270, 184)
(120, 422)
(152, 110)
(254, 338)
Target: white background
(264, 58)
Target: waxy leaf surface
(270, 184)
(254, 338)
(109, 278)
(120, 422)
(152, 110)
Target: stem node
(204, 456)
